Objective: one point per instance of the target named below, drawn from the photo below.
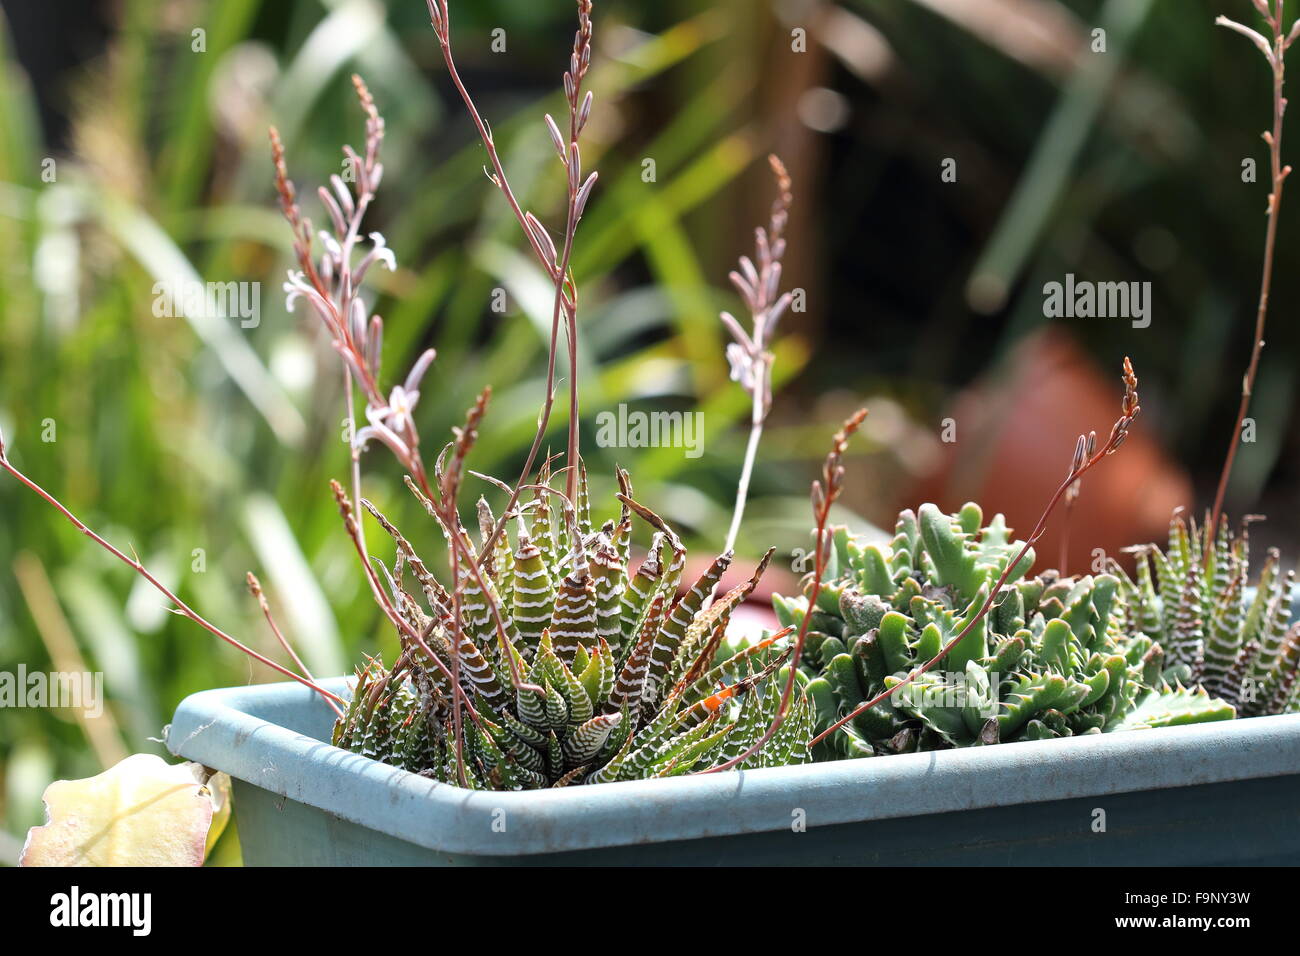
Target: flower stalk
(748, 354)
(1274, 49)
(554, 262)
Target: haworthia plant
(1194, 597)
(631, 680)
(1050, 659)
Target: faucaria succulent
(1050, 658)
(1193, 597)
(623, 679)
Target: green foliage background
(211, 456)
(172, 438)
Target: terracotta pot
(1015, 433)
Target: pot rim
(235, 730)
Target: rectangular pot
(1218, 793)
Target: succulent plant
(1050, 658)
(1194, 598)
(622, 679)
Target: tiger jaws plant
(1023, 658)
(1054, 656)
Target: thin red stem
(566, 305)
(386, 605)
(144, 572)
(788, 691)
(1279, 174)
(255, 586)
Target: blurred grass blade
(438, 201)
(1048, 171)
(56, 633)
(609, 241)
(350, 28)
(674, 265)
(386, 65)
(522, 278)
(97, 615)
(19, 130)
(310, 621)
(189, 151)
(161, 259)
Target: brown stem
(543, 420)
(449, 520)
(1279, 173)
(571, 487)
(443, 33)
(411, 634)
(255, 588)
(140, 569)
(1065, 540)
(566, 304)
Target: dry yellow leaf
(140, 812)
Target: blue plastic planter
(1220, 793)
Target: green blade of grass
(155, 251)
(311, 623)
(1048, 170)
